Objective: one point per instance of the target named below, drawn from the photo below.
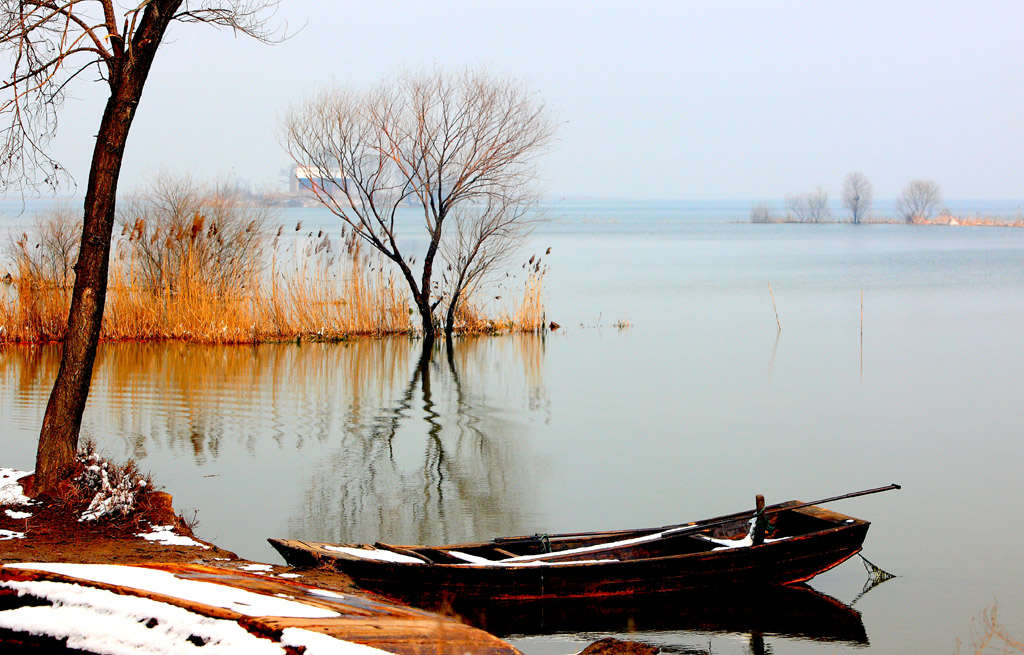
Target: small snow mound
(6, 535)
(18, 515)
(165, 536)
(11, 492)
(256, 567)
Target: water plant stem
(777, 321)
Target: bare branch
(51, 42)
(249, 17)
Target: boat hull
(787, 561)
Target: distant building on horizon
(305, 180)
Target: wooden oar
(772, 509)
(698, 526)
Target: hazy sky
(655, 100)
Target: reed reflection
(189, 398)
(440, 463)
(375, 439)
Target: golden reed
(193, 281)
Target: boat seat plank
(402, 551)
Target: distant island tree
(919, 201)
(810, 207)
(857, 196)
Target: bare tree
(460, 148)
(797, 206)
(857, 196)
(919, 201)
(50, 43)
(762, 213)
(810, 207)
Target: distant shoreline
(942, 219)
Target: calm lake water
(692, 410)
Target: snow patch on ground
(7, 534)
(103, 622)
(11, 492)
(263, 568)
(165, 536)
(18, 515)
(99, 621)
(289, 575)
(165, 583)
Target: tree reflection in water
(439, 465)
(378, 439)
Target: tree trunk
(449, 320)
(426, 316)
(58, 439)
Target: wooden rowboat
(717, 553)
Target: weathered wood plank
(393, 628)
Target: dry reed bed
(222, 279)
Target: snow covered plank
(265, 607)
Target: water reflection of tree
(438, 465)
(402, 444)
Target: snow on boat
(803, 541)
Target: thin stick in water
(777, 321)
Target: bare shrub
(990, 635)
(41, 260)
(762, 213)
(919, 201)
(810, 207)
(47, 255)
(181, 232)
